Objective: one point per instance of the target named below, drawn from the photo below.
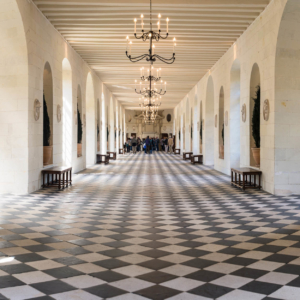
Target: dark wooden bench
(177, 151)
(112, 155)
(121, 151)
(246, 178)
(197, 159)
(187, 155)
(102, 159)
(60, 177)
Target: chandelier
(150, 35)
(150, 113)
(151, 91)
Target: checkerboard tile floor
(150, 227)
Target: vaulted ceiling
(204, 29)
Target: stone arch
(98, 123)
(91, 135)
(234, 122)
(78, 113)
(187, 125)
(191, 133)
(47, 114)
(67, 115)
(221, 125)
(254, 83)
(111, 125)
(285, 112)
(196, 148)
(209, 120)
(103, 126)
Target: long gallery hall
(150, 149)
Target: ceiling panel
(204, 30)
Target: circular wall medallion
(58, 113)
(36, 109)
(216, 120)
(266, 110)
(244, 115)
(169, 118)
(226, 118)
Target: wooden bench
(112, 155)
(60, 177)
(102, 159)
(177, 151)
(197, 159)
(187, 155)
(121, 151)
(245, 178)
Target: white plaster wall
(23, 151)
(13, 100)
(287, 102)
(256, 45)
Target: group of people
(149, 145)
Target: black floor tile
(53, 287)
(261, 287)
(105, 291)
(9, 281)
(63, 272)
(210, 291)
(157, 292)
(109, 276)
(157, 277)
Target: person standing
(147, 145)
(129, 146)
(166, 144)
(151, 145)
(170, 143)
(134, 143)
(162, 144)
(138, 144)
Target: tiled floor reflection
(150, 227)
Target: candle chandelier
(150, 113)
(151, 91)
(150, 35)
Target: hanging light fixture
(150, 35)
(152, 90)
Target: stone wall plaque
(244, 113)
(216, 121)
(36, 109)
(226, 118)
(58, 113)
(266, 110)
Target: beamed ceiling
(204, 29)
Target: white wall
(256, 45)
(28, 42)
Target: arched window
(221, 127)
(209, 124)
(47, 115)
(91, 135)
(67, 140)
(255, 117)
